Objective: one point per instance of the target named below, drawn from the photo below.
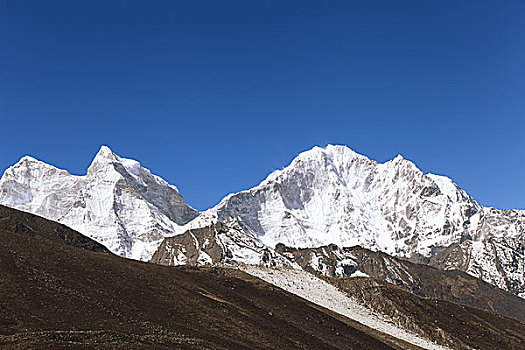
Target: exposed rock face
(117, 203)
(221, 243)
(456, 286)
(498, 261)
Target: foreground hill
(60, 290)
(459, 327)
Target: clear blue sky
(214, 95)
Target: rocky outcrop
(221, 243)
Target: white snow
(359, 274)
(335, 195)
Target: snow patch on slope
(317, 291)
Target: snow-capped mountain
(496, 252)
(333, 195)
(118, 203)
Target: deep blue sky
(214, 95)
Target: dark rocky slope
(459, 327)
(54, 295)
(27, 225)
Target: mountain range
(329, 195)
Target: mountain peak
(104, 157)
(343, 151)
(338, 148)
(398, 158)
(330, 151)
(27, 159)
(105, 153)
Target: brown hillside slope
(56, 296)
(460, 327)
(422, 280)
